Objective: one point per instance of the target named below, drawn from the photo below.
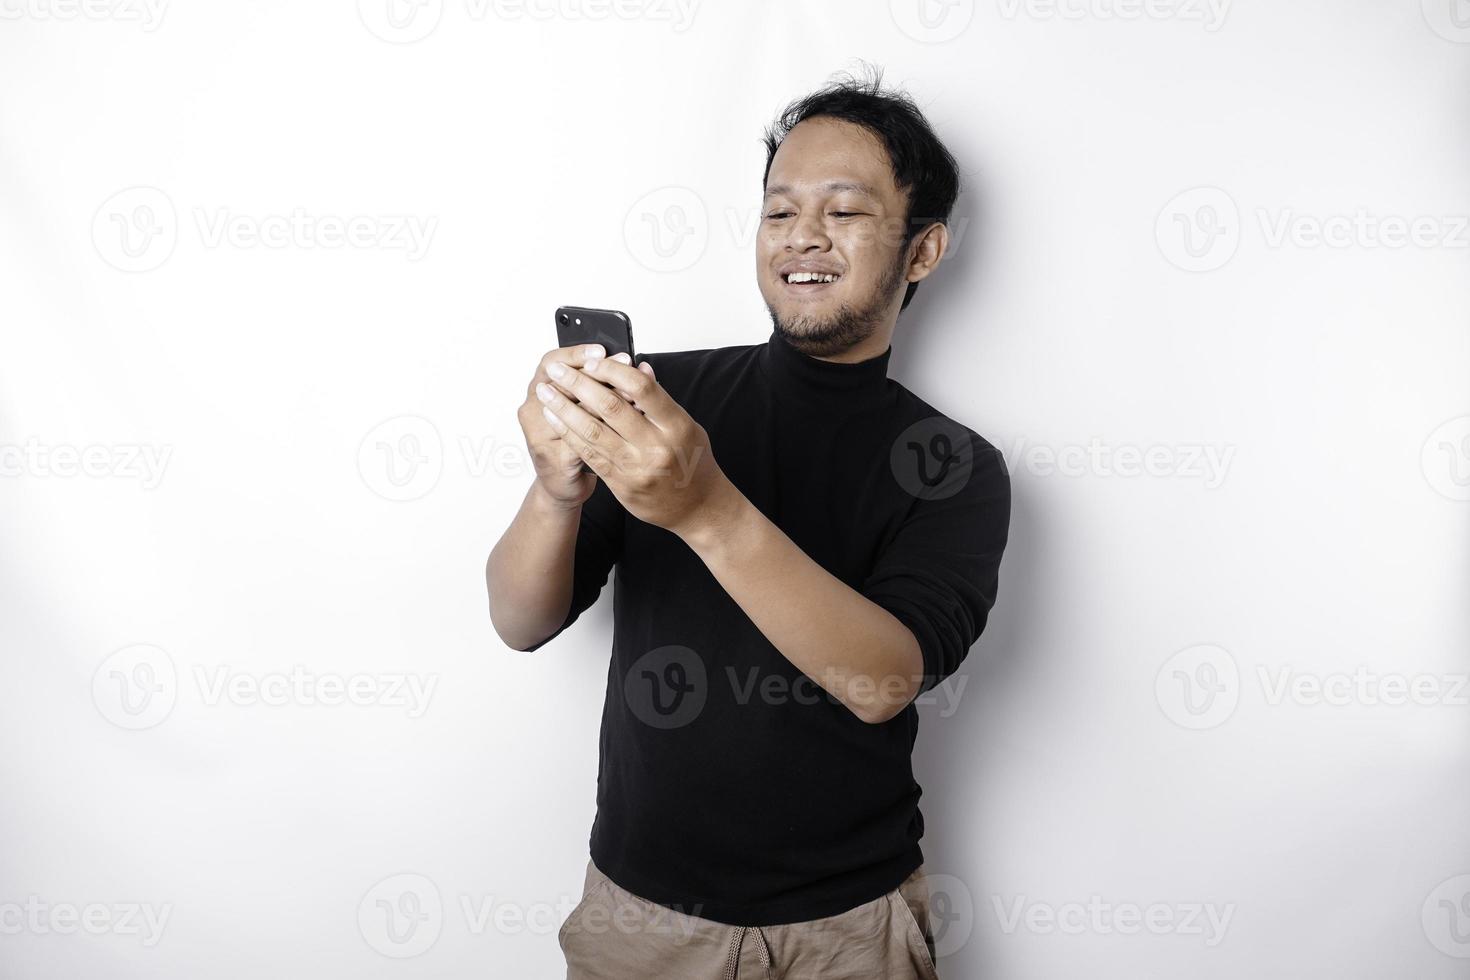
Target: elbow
(512, 642)
(886, 701)
(884, 697)
(519, 646)
(880, 711)
(518, 640)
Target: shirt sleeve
(938, 574)
(599, 546)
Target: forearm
(528, 576)
(847, 644)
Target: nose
(807, 232)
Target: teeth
(811, 277)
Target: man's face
(831, 205)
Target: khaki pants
(613, 934)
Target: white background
(335, 450)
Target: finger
(578, 355)
(601, 400)
(555, 455)
(594, 440)
(643, 366)
(643, 390)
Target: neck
(839, 381)
(864, 349)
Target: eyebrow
(831, 185)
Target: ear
(927, 250)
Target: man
(802, 546)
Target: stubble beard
(848, 326)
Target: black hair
(922, 165)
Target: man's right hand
(558, 467)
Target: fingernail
(591, 364)
(543, 390)
(620, 356)
(556, 369)
(594, 350)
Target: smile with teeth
(800, 277)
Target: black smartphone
(586, 325)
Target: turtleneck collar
(811, 379)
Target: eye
(843, 214)
(779, 214)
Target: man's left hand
(651, 453)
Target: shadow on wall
(954, 775)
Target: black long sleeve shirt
(730, 785)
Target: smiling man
(802, 547)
